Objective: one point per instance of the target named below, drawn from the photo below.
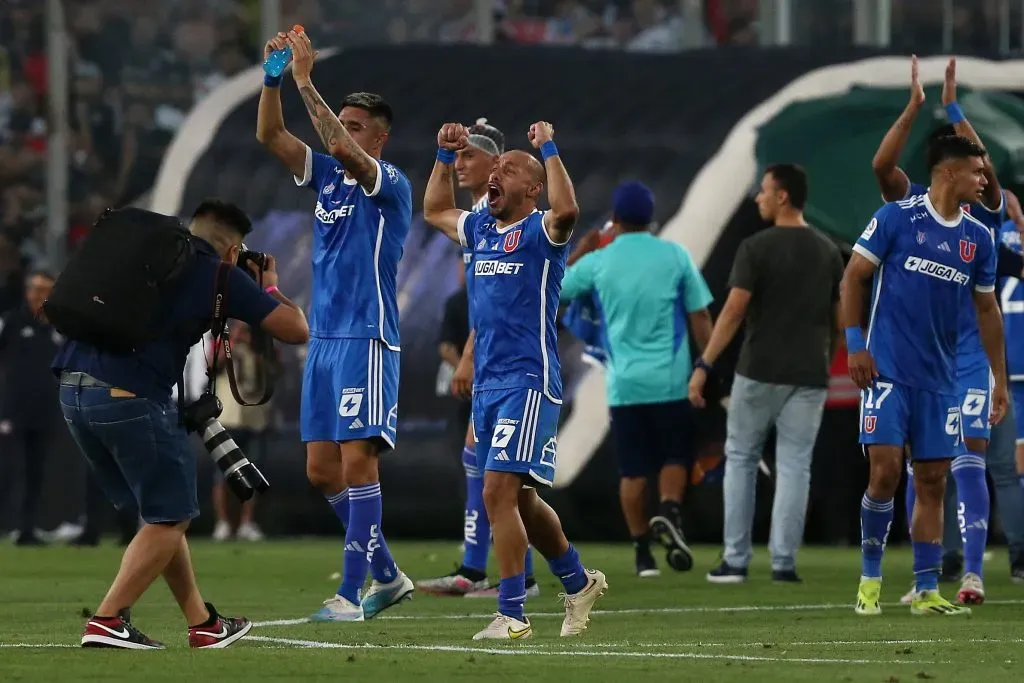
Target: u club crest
(512, 241)
(967, 250)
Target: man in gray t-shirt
(785, 285)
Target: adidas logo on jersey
(502, 456)
(945, 247)
(356, 424)
(978, 424)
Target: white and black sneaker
(117, 632)
(670, 536)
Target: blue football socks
(477, 528)
(927, 562)
(569, 570)
(973, 510)
(512, 596)
(362, 538)
(875, 521)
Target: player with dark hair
(473, 165)
(974, 376)
(922, 253)
(349, 410)
(519, 259)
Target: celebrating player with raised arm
(350, 387)
(519, 258)
(473, 165)
(922, 253)
(973, 372)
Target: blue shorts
(1017, 396)
(894, 414)
(349, 391)
(976, 403)
(648, 436)
(140, 454)
(516, 432)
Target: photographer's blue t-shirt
(155, 369)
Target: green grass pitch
(676, 627)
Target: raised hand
(541, 132)
(916, 89)
(453, 136)
(949, 84)
(303, 55)
(278, 42)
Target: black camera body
(246, 256)
(243, 477)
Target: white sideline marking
(317, 644)
(653, 610)
(35, 645)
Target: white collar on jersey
(938, 217)
(502, 231)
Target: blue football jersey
(467, 260)
(358, 239)
(970, 351)
(1011, 299)
(925, 264)
(517, 279)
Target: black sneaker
(952, 567)
(724, 573)
(223, 632)
(646, 567)
(785, 576)
(679, 556)
(117, 632)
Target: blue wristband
(855, 339)
(445, 156)
(272, 81)
(548, 149)
(954, 113)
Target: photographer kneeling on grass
(140, 293)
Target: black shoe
(785, 576)
(530, 582)
(725, 573)
(679, 556)
(117, 632)
(952, 567)
(646, 567)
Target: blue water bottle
(278, 60)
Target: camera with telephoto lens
(246, 256)
(241, 475)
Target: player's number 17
(872, 401)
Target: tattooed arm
(337, 141)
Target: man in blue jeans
(785, 283)
(119, 411)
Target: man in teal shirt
(651, 296)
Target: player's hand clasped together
(519, 259)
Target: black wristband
(701, 364)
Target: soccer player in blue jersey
(473, 165)
(973, 372)
(1012, 297)
(349, 405)
(519, 258)
(921, 253)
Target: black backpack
(110, 292)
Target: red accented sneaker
(117, 632)
(223, 632)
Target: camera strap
(221, 339)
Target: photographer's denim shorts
(137, 450)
